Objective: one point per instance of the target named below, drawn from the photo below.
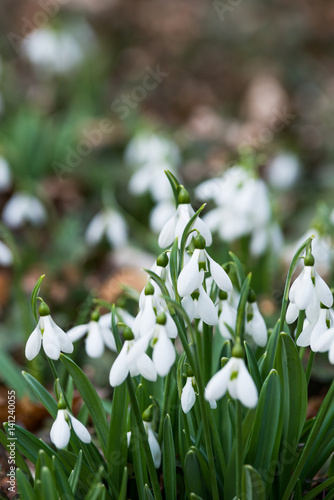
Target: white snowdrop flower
(6, 256)
(283, 171)
(188, 396)
(309, 290)
(175, 226)
(151, 155)
(264, 238)
(107, 223)
(53, 338)
(159, 337)
(153, 444)
(5, 175)
(188, 280)
(21, 208)
(139, 364)
(60, 431)
(98, 332)
(234, 378)
(312, 332)
(255, 325)
(43, 46)
(227, 315)
(199, 305)
(243, 207)
(146, 317)
(322, 249)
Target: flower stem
(310, 442)
(288, 282)
(144, 440)
(239, 454)
(194, 363)
(309, 366)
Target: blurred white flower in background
(150, 155)
(6, 256)
(243, 208)
(283, 171)
(21, 208)
(53, 52)
(5, 172)
(107, 223)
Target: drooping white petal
(119, 370)
(205, 308)
(256, 327)
(105, 320)
(138, 347)
(146, 367)
(171, 327)
(189, 306)
(188, 396)
(184, 213)
(163, 353)
(305, 336)
(204, 230)
(77, 332)
(6, 256)
(220, 276)
(323, 291)
(64, 340)
(33, 344)
(292, 313)
(305, 289)
(313, 309)
(51, 344)
(324, 343)
(187, 281)
(116, 229)
(94, 341)
(167, 234)
(319, 328)
(108, 338)
(80, 430)
(245, 387)
(60, 431)
(154, 445)
(217, 386)
(95, 229)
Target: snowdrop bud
(149, 289)
(161, 319)
(128, 333)
(309, 260)
(95, 316)
(188, 396)
(238, 351)
(223, 295)
(183, 197)
(147, 415)
(162, 260)
(199, 242)
(43, 309)
(251, 296)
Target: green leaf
(75, 474)
(292, 375)
(63, 485)
(117, 439)
(48, 488)
(168, 465)
(174, 185)
(194, 480)
(11, 375)
(19, 460)
(34, 296)
(240, 270)
(43, 460)
(268, 358)
(252, 484)
(90, 397)
(139, 464)
(148, 493)
(43, 395)
(173, 264)
(241, 312)
(24, 487)
(124, 485)
(253, 367)
(28, 444)
(267, 429)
